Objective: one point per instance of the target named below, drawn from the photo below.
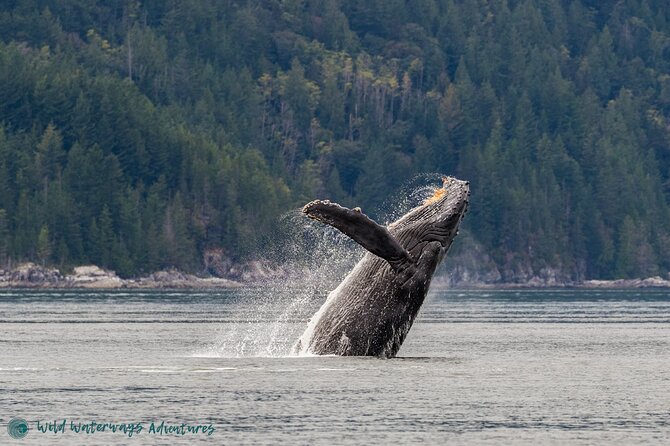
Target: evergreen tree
(43, 245)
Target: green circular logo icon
(17, 428)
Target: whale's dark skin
(372, 310)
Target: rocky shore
(649, 282)
(470, 267)
(30, 275)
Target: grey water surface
(478, 367)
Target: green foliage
(137, 135)
(43, 244)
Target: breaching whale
(372, 309)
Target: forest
(137, 135)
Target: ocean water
(478, 367)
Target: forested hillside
(137, 135)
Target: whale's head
(436, 220)
(422, 236)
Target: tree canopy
(137, 135)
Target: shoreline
(656, 282)
(224, 284)
(213, 285)
(619, 284)
(31, 276)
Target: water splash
(312, 259)
(412, 193)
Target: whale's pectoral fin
(365, 231)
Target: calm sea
(478, 367)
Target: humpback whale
(372, 309)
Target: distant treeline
(137, 135)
